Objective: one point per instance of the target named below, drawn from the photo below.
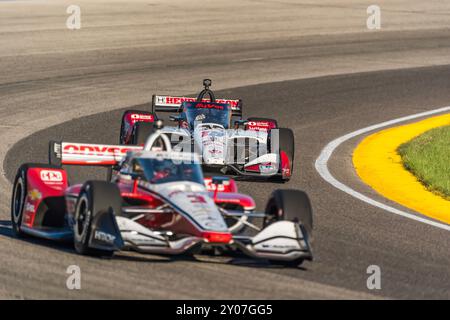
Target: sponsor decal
(176, 101)
(212, 187)
(279, 246)
(30, 207)
(215, 151)
(208, 106)
(200, 117)
(104, 237)
(268, 168)
(51, 176)
(139, 117)
(260, 125)
(286, 172)
(34, 195)
(196, 198)
(96, 150)
(213, 134)
(174, 193)
(225, 185)
(161, 100)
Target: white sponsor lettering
(105, 237)
(139, 116)
(51, 176)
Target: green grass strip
(428, 158)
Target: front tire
(95, 197)
(287, 146)
(290, 205)
(18, 200)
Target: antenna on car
(206, 91)
(207, 83)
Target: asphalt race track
(323, 78)
(349, 234)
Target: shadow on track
(6, 230)
(232, 258)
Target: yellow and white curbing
(379, 165)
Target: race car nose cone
(217, 237)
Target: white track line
(322, 167)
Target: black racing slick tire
(19, 194)
(290, 205)
(95, 197)
(18, 200)
(286, 145)
(141, 132)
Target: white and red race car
(157, 201)
(214, 128)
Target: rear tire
(19, 194)
(95, 197)
(18, 200)
(290, 205)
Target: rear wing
(173, 104)
(84, 154)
